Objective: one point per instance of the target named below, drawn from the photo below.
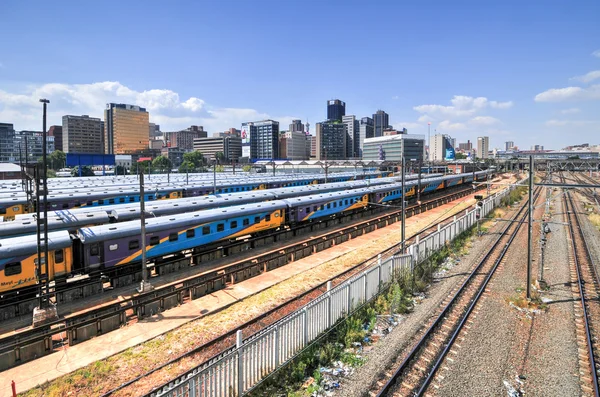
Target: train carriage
(312, 207)
(18, 257)
(117, 244)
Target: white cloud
(165, 106)
(570, 111)
(461, 106)
(447, 125)
(425, 119)
(484, 120)
(596, 54)
(409, 125)
(572, 123)
(501, 105)
(569, 94)
(588, 77)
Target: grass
(519, 299)
(595, 219)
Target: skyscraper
(331, 140)
(508, 145)
(381, 121)
(353, 139)
(7, 143)
(126, 128)
(366, 129)
(483, 144)
(82, 134)
(296, 126)
(264, 139)
(336, 109)
(56, 132)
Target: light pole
(403, 206)
(530, 227)
(145, 285)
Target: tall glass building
(381, 121)
(264, 139)
(331, 140)
(336, 109)
(125, 128)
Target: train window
(111, 201)
(113, 247)
(94, 249)
(77, 204)
(256, 219)
(334, 204)
(154, 240)
(2, 211)
(131, 199)
(233, 224)
(328, 205)
(121, 199)
(307, 210)
(173, 237)
(268, 218)
(100, 202)
(10, 269)
(89, 203)
(220, 227)
(59, 256)
(346, 202)
(160, 196)
(190, 233)
(246, 222)
(205, 230)
(134, 244)
(65, 205)
(315, 208)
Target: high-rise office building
(381, 121)
(508, 145)
(467, 147)
(126, 128)
(391, 148)
(56, 132)
(154, 131)
(184, 139)
(336, 109)
(34, 141)
(7, 142)
(296, 126)
(353, 139)
(483, 147)
(264, 139)
(292, 145)
(331, 141)
(366, 129)
(230, 146)
(82, 134)
(437, 147)
(537, 148)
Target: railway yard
(241, 264)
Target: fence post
(193, 387)
(365, 287)
(276, 346)
(240, 371)
(305, 334)
(379, 271)
(329, 305)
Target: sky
(527, 72)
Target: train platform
(55, 365)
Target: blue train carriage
(454, 180)
(308, 208)
(18, 257)
(432, 184)
(12, 206)
(108, 246)
(387, 193)
(69, 220)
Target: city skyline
(535, 83)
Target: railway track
(415, 371)
(586, 288)
(51, 336)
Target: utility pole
(419, 182)
(530, 227)
(46, 311)
(215, 177)
(403, 207)
(145, 285)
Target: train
(103, 249)
(15, 202)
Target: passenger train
(103, 249)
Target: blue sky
(512, 70)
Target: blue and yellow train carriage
(117, 244)
(11, 206)
(18, 257)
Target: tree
(186, 166)
(219, 168)
(85, 171)
(460, 156)
(247, 168)
(195, 158)
(219, 156)
(162, 164)
(143, 166)
(57, 160)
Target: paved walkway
(59, 363)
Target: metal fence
(239, 369)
